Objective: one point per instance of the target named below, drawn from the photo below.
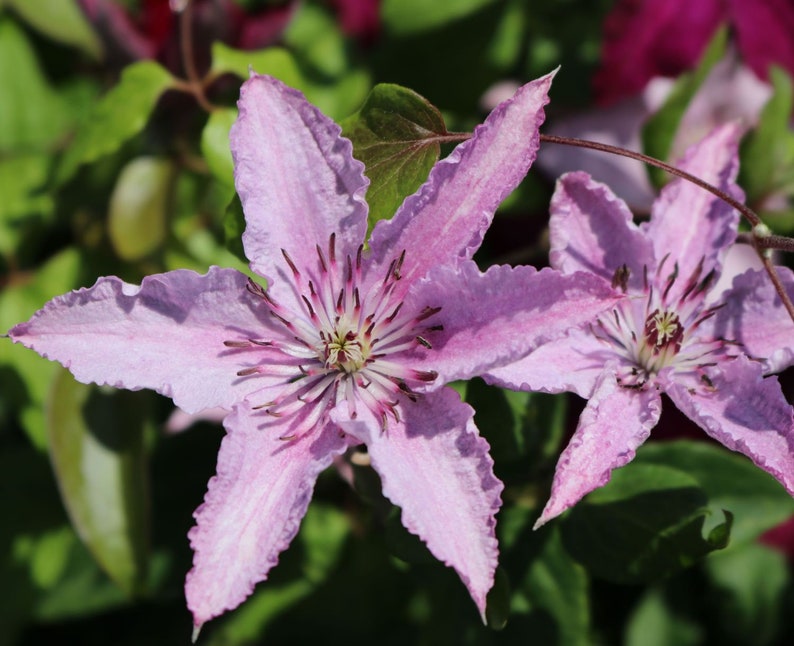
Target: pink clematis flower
(706, 348)
(348, 345)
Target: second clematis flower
(349, 344)
(707, 345)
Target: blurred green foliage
(126, 170)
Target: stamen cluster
(345, 338)
(653, 331)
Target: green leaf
(660, 130)
(233, 227)
(730, 481)
(524, 429)
(139, 207)
(25, 377)
(215, 145)
(33, 115)
(497, 608)
(550, 596)
(750, 583)
(96, 444)
(24, 203)
(645, 524)
(655, 623)
(319, 545)
(314, 35)
(397, 134)
(410, 16)
(120, 115)
(336, 96)
(767, 153)
(275, 61)
(61, 20)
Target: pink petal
(166, 335)
(648, 38)
(754, 316)
(746, 412)
(691, 225)
(448, 216)
(436, 467)
(614, 423)
(296, 178)
(764, 29)
(594, 231)
(496, 318)
(570, 364)
(253, 507)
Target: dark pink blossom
(648, 38)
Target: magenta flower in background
(648, 38)
(707, 349)
(349, 344)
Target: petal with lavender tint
(447, 217)
(296, 177)
(754, 316)
(493, 318)
(253, 507)
(592, 230)
(570, 364)
(167, 335)
(689, 224)
(744, 411)
(614, 423)
(436, 467)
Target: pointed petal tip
(195, 635)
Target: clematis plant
(707, 347)
(349, 343)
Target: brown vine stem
(194, 84)
(762, 239)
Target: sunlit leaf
(322, 537)
(33, 115)
(408, 16)
(767, 152)
(139, 207)
(215, 145)
(398, 136)
(646, 523)
(96, 444)
(655, 623)
(550, 589)
(275, 61)
(119, 115)
(730, 481)
(61, 20)
(25, 377)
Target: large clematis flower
(347, 345)
(679, 333)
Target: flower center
(653, 333)
(344, 351)
(343, 338)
